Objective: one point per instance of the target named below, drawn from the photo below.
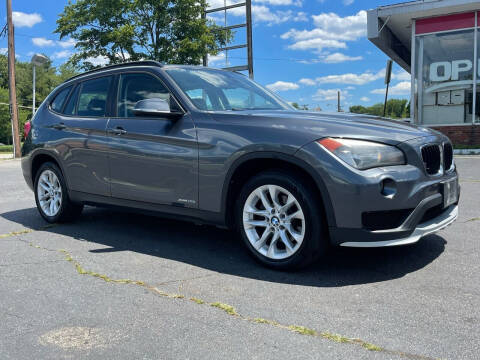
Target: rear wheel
(51, 195)
(279, 221)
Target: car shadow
(219, 250)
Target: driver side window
(135, 87)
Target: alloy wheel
(274, 222)
(49, 191)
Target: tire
(297, 240)
(57, 192)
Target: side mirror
(155, 107)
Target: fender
(52, 153)
(327, 203)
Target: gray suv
(213, 146)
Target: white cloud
(307, 82)
(66, 43)
(21, 19)
(97, 61)
(42, 42)
(348, 2)
(261, 12)
(3, 51)
(350, 78)
(282, 86)
(331, 31)
(329, 94)
(61, 54)
(339, 58)
(365, 99)
(402, 75)
(280, 2)
(215, 59)
(402, 88)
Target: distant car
(210, 145)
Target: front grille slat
(431, 156)
(447, 156)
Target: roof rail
(114, 66)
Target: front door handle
(119, 131)
(60, 126)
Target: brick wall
(461, 135)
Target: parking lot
(115, 285)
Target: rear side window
(93, 97)
(135, 87)
(72, 101)
(57, 103)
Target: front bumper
(446, 218)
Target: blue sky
(305, 50)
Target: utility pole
(388, 76)
(11, 82)
(338, 101)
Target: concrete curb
(466, 152)
(6, 156)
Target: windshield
(216, 90)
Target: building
(437, 41)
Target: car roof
(134, 64)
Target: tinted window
(93, 97)
(136, 87)
(57, 103)
(72, 101)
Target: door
(152, 159)
(81, 123)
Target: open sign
(445, 70)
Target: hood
(315, 125)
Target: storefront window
(444, 77)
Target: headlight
(363, 154)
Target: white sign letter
(460, 66)
(447, 71)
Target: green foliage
(127, 30)
(47, 78)
(396, 109)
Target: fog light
(388, 188)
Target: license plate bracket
(450, 192)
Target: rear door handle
(60, 126)
(119, 131)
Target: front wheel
(51, 195)
(280, 221)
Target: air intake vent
(431, 158)
(447, 156)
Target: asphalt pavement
(117, 285)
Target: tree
(47, 79)
(396, 109)
(125, 30)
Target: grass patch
(335, 337)
(230, 310)
(262, 321)
(302, 330)
(4, 149)
(198, 301)
(461, 146)
(371, 347)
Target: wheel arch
(253, 163)
(42, 157)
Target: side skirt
(177, 212)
